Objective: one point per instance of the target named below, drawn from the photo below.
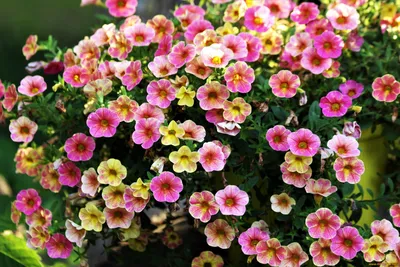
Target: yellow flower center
(327, 45)
(212, 95)
(171, 132)
(76, 78)
(237, 77)
(165, 186)
(348, 243)
(216, 60)
(284, 86)
(139, 38)
(104, 123)
(388, 88)
(351, 92)
(341, 20)
(316, 62)
(201, 71)
(24, 130)
(121, 3)
(303, 145)
(258, 21)
(335, 107)
(35, 90)
(342, 150)
(229, 202)
(277, 139)
(81, 147)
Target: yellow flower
(388, 11)
(111, 172)
(140, 189)
(298, 164)
(390, 260)
(185, 97)
(92, 218)
(374, 249)
(184, 160)
(132, 232)
(227, 29)
(171, 134)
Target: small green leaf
(16, 249)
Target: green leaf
(16, 249)
(250, 183)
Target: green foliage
(15, 249)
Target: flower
(298, 43)
(239, 77)
(196, 27)
(320, 188)
(354, 41)
(92, 218)
(333, 71)
(351, 88)
(133, 75)
(219, 234)
(212, 95)
(69, 174)
(352, 129)
(132, 203)
(166, 187)
(235, 11)
(395, 213)
(335, 104)
(103, 123)
(318, 26)
(181, 54)
(344, 146)
(277, 138)
(118, 218)
(161, 67)
(141, 189)
(32, 85)
(76, 76)
(99, 87)
(329, 45)
(322, 224)
(90, 184)
(28, 201)
(232, 200)
(121, 8)
(236, 44)
(79, 147)
(304, 13)
(147, 111)
(271, 42)
(111, 172)
(349, 169)
(114, 196)
(284, 84)
(30, 48)
(74, 233)
(203, 206)
(140, 34)
(193, 131)
(207, 257)
(146, 132)
(374, 249)
(124, 107)
(298, 164)
(10, 98)
(41, 217)
(228, 127)
(22, 129)
(270, 252)
(249, 239)
(343, 17)
(279, 8)
(258, 18)
(162, 27)
(211, 157)
(198, 69)
(216, 56)
(185, 96)
(171, 238)
(347, 242)
(49, 178)
(29, 160)
(385, 88)
(390, 260)
(282, 203)
(38, 237)
(386, 231)
(303, 143)
(120, 46)
(171, 134)
(321, 253)
(254, 47)
(160, 93)
(132, 232)
(58, 247)
(313, 62)
(237, 110)
(293, 177)
(165, 46)
(295, 256)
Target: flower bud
(158, 164)
(352, 129)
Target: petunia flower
(59, 247)
(164, 47)
(181, 54)
(232, 200)
(197, 26)
(198, 69)
(318, 26)
(211, 157)
(270, 252)
(69, 174)
(171, 239)
(298, 43)
(303, 143)
(329, 45)
(161, 67)
(239, 77)
(32, 86)
(121, 8)
(161, 26)
(99, 87)
(102, 123)
(395, 213)
(236, 44)
(139, 34)
(118, 218)
(374, 249)
(385, 88)
(236, 110)
(74, 233)
(147, 111)
(120, 46)
(279, 8)
(76, 76)
(284, 84)
(90, 184)
(166, 187)
(305, 12)
(277, 138)
(300, 164)
(295, 178)
(41, 217)
(193, 131)
(344, 146)
(207, 257)
(146, 132)
(171, 133)
(37, 237)
(185, 96)
(322, 224)
(282, 203)
(124, 107)
(92, 218)
(140, 189)
(132, 203)
(203, 206)
(28, 160)
(114, 196)
(258, 18)
(133, 75)
(321, 253)
(386, 231)
(235, 11)
(347, 242)
(160, 93)
(249, 240)
(132, 232)
(216, 56)
(10, 97)
(31, 47)
(343, 17)
(320, 188)
(349, 169)
(22, 129)
(111, 172)
(219, 234)
(254, 47)
(354, 41)
(49, 178)
(295, 255)
(79, 147)
(313, 62)
(272, 42)
(351, 88)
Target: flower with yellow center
(92, 218)
(184, 160)
(171, 134)
(388, 11)
(374, 249)
(140, 189)
(227, 29)
(111, 172)
(298, 164)
(185, 96)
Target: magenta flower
(146, 132)
(329, 45)
(147, 111)
(161, 67)
(349, 169)
(335, 104)
(277, 138)
(118, 218)
(385, 88)
(164, 46)
(279, 8)
(344, 146)
(181, 54)
(236, 44)
(203, 206)
(216, 56)
(23, 129)
(32, 85)
(304, 13)
(318, 27)
(258, 18)
(102, 123)
(70, 174)
(121, 8)
(166, 187)
(2, 89)
(343, 17)
(239, 77)
(59, 247)
(254, 47)
(28, 201)
(347, 242)
(303, 143)
(133, 75)
(313, 62)
(249, 239)
(322, 255)
(76, 76)
(140, 34)
(211, 157)
(160, 93)
(298, 43)
(333, 70)
(284, 84)
(322, 224)
(212, 95)
(232, 200)
(351, 88)
(79, 147)
(196, 27)
(395, 213)
(354, 41)
(386, 231)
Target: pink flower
(335, 104)
(70, 174)
(22, 129)
(118, 218)
(87, 49)
(211, 157)
(165, 46)
(228, 127)
(193, 9)
(277, 138)
(349, 169)
(140, 34)
(79, 147)
(160, 93)
(295, 178)
(354, 41)
(10, 98)
(102, 123)
(298, 43)
(295, 256)
(289, 61)
(59, 247)
(219, 234)
(351, 88)
(322, 255)
(121, 8)
(203, 206)
(385, 229)
(198, 69)
(313, 62)
(322, 224)
(49, 178)
(212, 95)
(258, 18)
(133, 75)
(344, 146)
(197, 26)
(146, 132)
(270, 252)
(343, 17)
(90, 184)
(28, 201)
(249, 239)
(162, 27)
(37, 237)
(32, 85)
(181, 54)
(216, 56)
(254, 47)
(239, 77)
(329, 45)
(236, 44)
(120, 46)
(303, 143)
(161, 67)
(193, 131)
(333, 70)
(132, 203)
(74, 233)
(31, 47)
(304, 13)
(320, 187)
(352, 129)
(385, 88)
(147, 111)
(232, 200)
(284, 84)
(318, 26)
(2, 89)
(166, 187)
(395, 213)
(236, 110)
(76, 76)
(124, 107)
(347, 242)
(279, 8)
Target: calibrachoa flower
(318, 26)
(391, 260)
(147, 111)
(28, 201)
(203, 206)
(162, 27)
(296, 163)
(181, 54)
(211, 157)
(114, 196)
(385, 88)
(347, 242)
(333, 70)
(171, 238)
(10, 97)
(124, 107)
(277, 138)
(118, 218)
(133, 75)
(121, 8)
(232, 200)
(132, 203)
(395, 213)
(212, 95)
(165, 46)
(239, 77)
(354, 41)
(219, 234)
(249, 239)
(111, 172)
(139, 34)
(258, 18)
(385, 229)
(207, 257)
(298, 43)
(49, 178)
(293, 177)
(132, 232)
(270, 252)
(74, 233)
(271, 42)
(343, 17)
(321, 253)
(41, 217)
(59, 247)
(141, 189)
(284, 84)
(99, 87)
(374, 249)
(304, 13)
(295, 256)
(32, 85)
(236, 44)
(313, 62)
(279, 8)
(166, 187)
(146, 132)
(352, 129)
(344, 146)
(184, 160)
(335, 104)
(37, 237)
(70, 174)
(79, 147)
(351, 88)
(171, 134)
(282, 203)
(198, 69)
(90, 184)
(92, 218)
(160, 93)
(103, 123)
(196, 27)
(235, 11)
(22, 129)
(320, 188)
(120, 46)
(329, 45)
(31, 47)
(216, 56)
(29, 160)
(161, 67)
(254, 47)
(322, 224)
(236, 110)
(76, 76)
(193, 131)
(303, 143)
(349, 169)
